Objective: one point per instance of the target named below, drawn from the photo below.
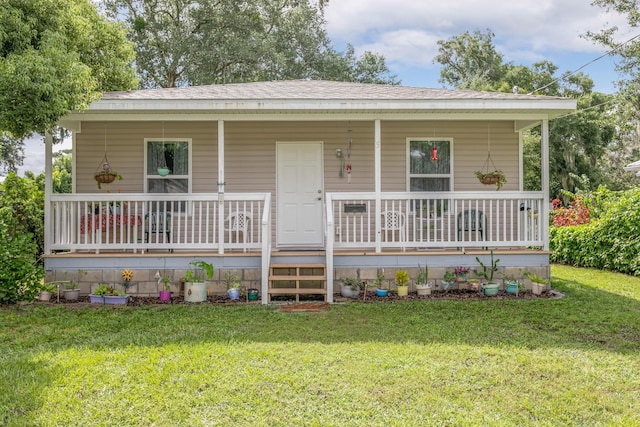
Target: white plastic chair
(239, 222)
(393, 221)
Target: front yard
(568, 361)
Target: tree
(579, 143)
(196, 42)
(56, 56)
(470, 61)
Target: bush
(20, 275)
(611, 242)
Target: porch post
(544, 214)
(378, 183)
(221, 186)
(48, 190)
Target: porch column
(544, 214)
(48, 190)
(378, 183)
(221, 186)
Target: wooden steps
(297, 279)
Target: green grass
(571, 361)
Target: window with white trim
(426, 172)
(171, 154)
(430, 168)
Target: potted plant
(127, 275)
(195, 287)
(379, 282)
(402, 283)
(448, 280)
(46, 290)
(71, 291)
(105, 174)
(350, 287)
(163, 171)
(232, 283)
(461, 273)
(487, 272)
(538, 283)
(253, 294)
(423, 285)
(495, 177)
(105, 294)
(512, 285)
(165, 295)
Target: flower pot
(348, 292)
(109, 299)
(233, 293)
(490, 289)
(461, 277)
(165, 295)
(163, 171)
(195, 291)
(474, 285)
(252, 294)
(538, 288)
(44, 296)
(511, 288)
(403, 291)
(71, 294)
(424, 288)
(382, 292)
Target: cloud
(406, 31)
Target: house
(314, 179)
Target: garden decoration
(489, 174)
(105, 174)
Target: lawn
(568, 361)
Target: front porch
(105, 233)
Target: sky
(406, 32)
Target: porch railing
(435, 220)
(157, 221)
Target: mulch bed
(288, 304)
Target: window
(426, 174)
(175, 156)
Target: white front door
(300, 195)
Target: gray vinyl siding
(250, 153)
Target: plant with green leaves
(423, 275)
(167, 282)
(199, 271)
(487, 271)
(104, 290)
(354, 283)
(402, 278)
(536, 278)
(379, 280)
(231, 280)
(449, 277)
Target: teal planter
(382, 292)
(253, 294)
(511, 288)
(490, 289)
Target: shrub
(612, 242)
(20, 276)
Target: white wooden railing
(435, 220)
(142, 222)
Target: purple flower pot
(165, 295)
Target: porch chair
(239, 222)
(393, 221)
(157, 223)
(471, 220)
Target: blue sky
(406, 33)
(526, 31)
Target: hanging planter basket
(104, 174)
(489, 174)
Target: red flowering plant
(577, 213)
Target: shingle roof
(311, 90)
